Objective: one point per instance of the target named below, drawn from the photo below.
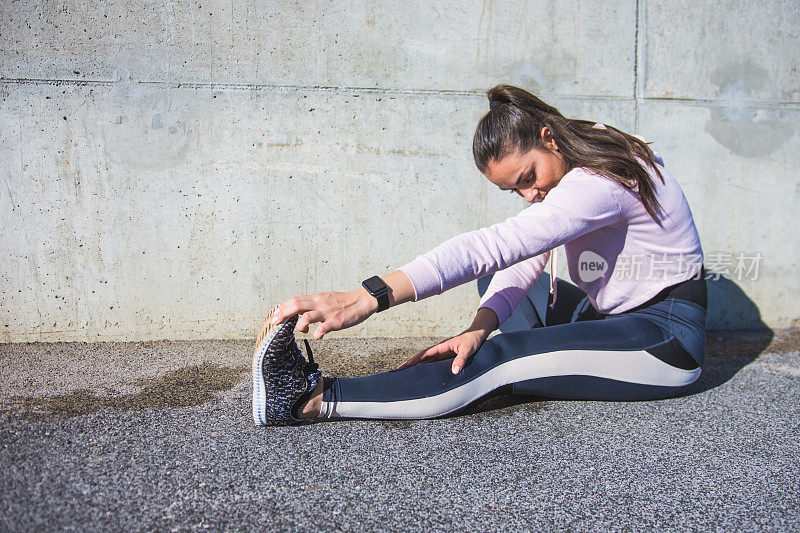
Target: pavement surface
(159, 436)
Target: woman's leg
(572, 305)
(613, 358)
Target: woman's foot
(283, 382)
(313, 406)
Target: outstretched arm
(340, 310)
(578, 205)
(582, 202)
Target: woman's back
(630, 260)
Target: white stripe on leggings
(632, 366)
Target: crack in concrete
(636, 71)
(778, 104)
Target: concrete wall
(172, 170)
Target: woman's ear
(547, 138)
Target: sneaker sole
(266, 333)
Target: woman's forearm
(485, 320)
(401, 290)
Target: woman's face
(530, 174)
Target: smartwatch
(377, 288)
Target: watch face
(374, 284)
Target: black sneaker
(282, 379)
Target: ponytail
(515, 121)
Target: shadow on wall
(736, 335)
(730, 308)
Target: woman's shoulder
(587, 177)
(584, 189)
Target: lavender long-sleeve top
(615, 251)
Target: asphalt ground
(159, 436)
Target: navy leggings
(568, 352)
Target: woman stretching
(632, 329)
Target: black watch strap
(377, 288)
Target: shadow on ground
(727, 352)
(189, 386)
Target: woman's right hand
(335, 310)
(340, 310)
(462, 346)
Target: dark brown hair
(515, 121)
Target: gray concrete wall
(172, 170)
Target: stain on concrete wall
(737, 120)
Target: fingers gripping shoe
(282, 379)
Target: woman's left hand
(334, 310)
(459, 348)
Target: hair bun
(495, 103)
